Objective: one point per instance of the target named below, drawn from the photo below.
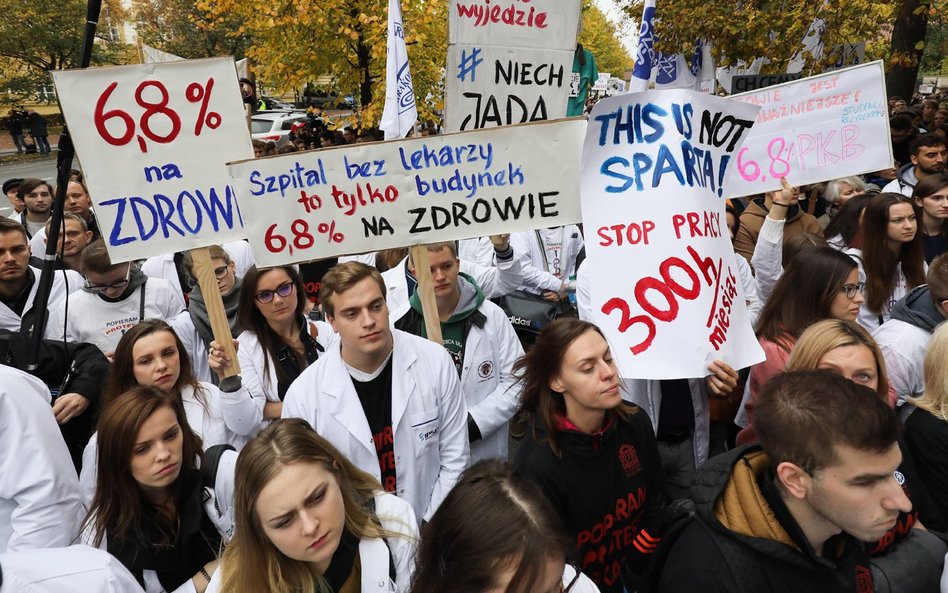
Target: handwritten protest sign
(497, 86)
(153, 140)
(539, 24)
(509, 61)
(367, 197)
(664, 285)
(815, 129)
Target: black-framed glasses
(221, 271)
(284, 290)
(852, 289)
(99, 288)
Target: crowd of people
(351, 453)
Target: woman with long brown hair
(150, 509)
(586, 449)
(892, 257)
(308, 521)
(931, 207)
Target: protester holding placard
(390, 401)
(931, 208)
(277, 343)
(590, 453)
(892, 257)
(548, 260)
(483, 344)
(172, 267)
(753, 217)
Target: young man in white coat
(389, 401)
(481, 341)
(39, 488)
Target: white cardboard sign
(815, 129)
(665, 288)
(488, 86)
(154, 140)
(367, 197)
(540, 24)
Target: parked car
(275, 125)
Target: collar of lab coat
(338, 383)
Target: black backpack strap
(141, 303)
(212, 460)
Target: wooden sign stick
(204, 272)
(429, 306)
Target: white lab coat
(537, 275)
(219, 506)
(494, 281)
(206, 422)
(487, 381)
(183, 326)
(63, 285)
(647, 394)
(396, 516)
(478, 250)
(73, 569)
(246, 414)
(100, 322)
(39, 491)
(429, 418)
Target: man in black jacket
(791, 513)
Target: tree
(600, 37)
(298, 41)
(42, 35)
(182, 28)
(908, 45)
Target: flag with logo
(645, 54)
(400, 113)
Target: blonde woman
(308, 521)
(926, 430)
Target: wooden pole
(429, 306)
(204, 272)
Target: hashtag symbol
(469, 63)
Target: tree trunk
(910, 27)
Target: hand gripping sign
(154, 140)
(664, 285)
(367, 197)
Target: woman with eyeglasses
(194, 325)
(306, 520)
(496, 533)
(931, 208)
(151, 355)
(277, 342)
(892, 257)
(819, 283)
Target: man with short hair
(115, 299)
(905, 337)
(481, 341)
(37, 197)
(794, 512)
(74, 237)
(929, 109)
(389, 401)
(928, 155)
(19, 281)
(10, 187)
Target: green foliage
(601, 38)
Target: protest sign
(153, 140)
(367, 197)
(490, 86)
(602, 81)
(539, 24)
(664, 284)
(815, 129)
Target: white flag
(400, 112)
(156, 56)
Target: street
(43, 168)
